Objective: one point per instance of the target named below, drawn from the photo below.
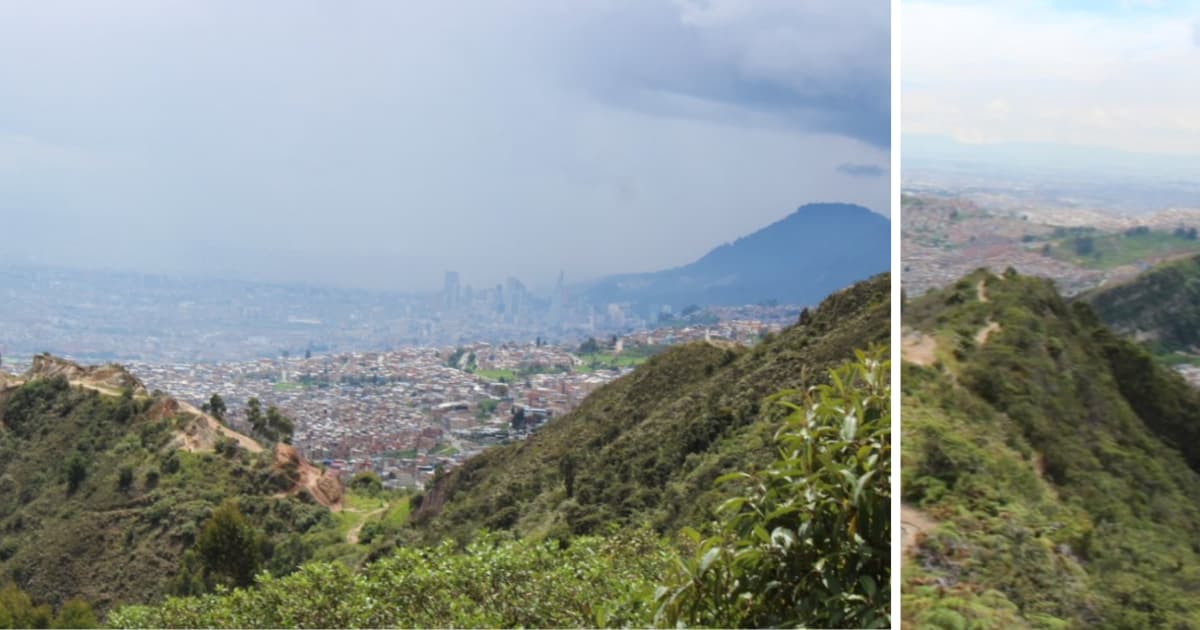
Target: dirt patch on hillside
(913, 522)
(323, 486)
(981, 291)
(918, 347)
(8, 381)
(198, 431)
(987, 331)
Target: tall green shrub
(808, 541)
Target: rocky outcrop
(323, 486)
(111, 378)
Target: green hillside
(801, 539)
(1161, 306)
(1048, 468)
(646, 448)
(99, 502)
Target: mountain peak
(799, 259)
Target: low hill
(1049, 467)
(104, 487)
(646, 448)
(1161, 306)
(799, 259)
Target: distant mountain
(647, 447)
(799, 259)
(1051, 468)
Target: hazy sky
(1105, 73)
(382, 143)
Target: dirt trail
(981, 291)
(352, 535)
(917, 347)
(912, 522)
(215, 425)
(981, 337)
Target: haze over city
(380, 146)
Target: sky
(1118, 75)
(380, 144)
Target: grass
(600, 361)
(444, 450)
(1115, 250)
(397, 514)
(287, 387)
(497, 375)
(355, 508)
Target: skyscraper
(450, 291)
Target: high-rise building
(514, 298)
(450, 291)
(557, 302)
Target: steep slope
(102, 487)
(1050, 463)
(1161, 305)
(647, 447)
(799, 259)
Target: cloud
(861, 170)
(1027, 72)
(809, 66)
(382, 143)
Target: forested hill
(105, 488)
(1161, 306)
(1049, 466)
(647, 447)
(818, 249)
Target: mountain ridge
(1053, 460)
(646, 448)
(104, 488)
(815, 250)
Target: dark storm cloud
(815, 66)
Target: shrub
(808, 542)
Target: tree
(367, 482)
(591, 346)
(216, 407)
(254, 414)
(279, 427)
(1084, 245)
(518, 419)
(18, 611)
(75, 613)
(76, 471)
(125, 478)
(566, 466)
(228, 547)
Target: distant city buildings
(450, 291)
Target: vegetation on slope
(1094, 249)
(804, 543)
(646, 448)
(97, 503)
(1059, 460)
(1161, 306)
